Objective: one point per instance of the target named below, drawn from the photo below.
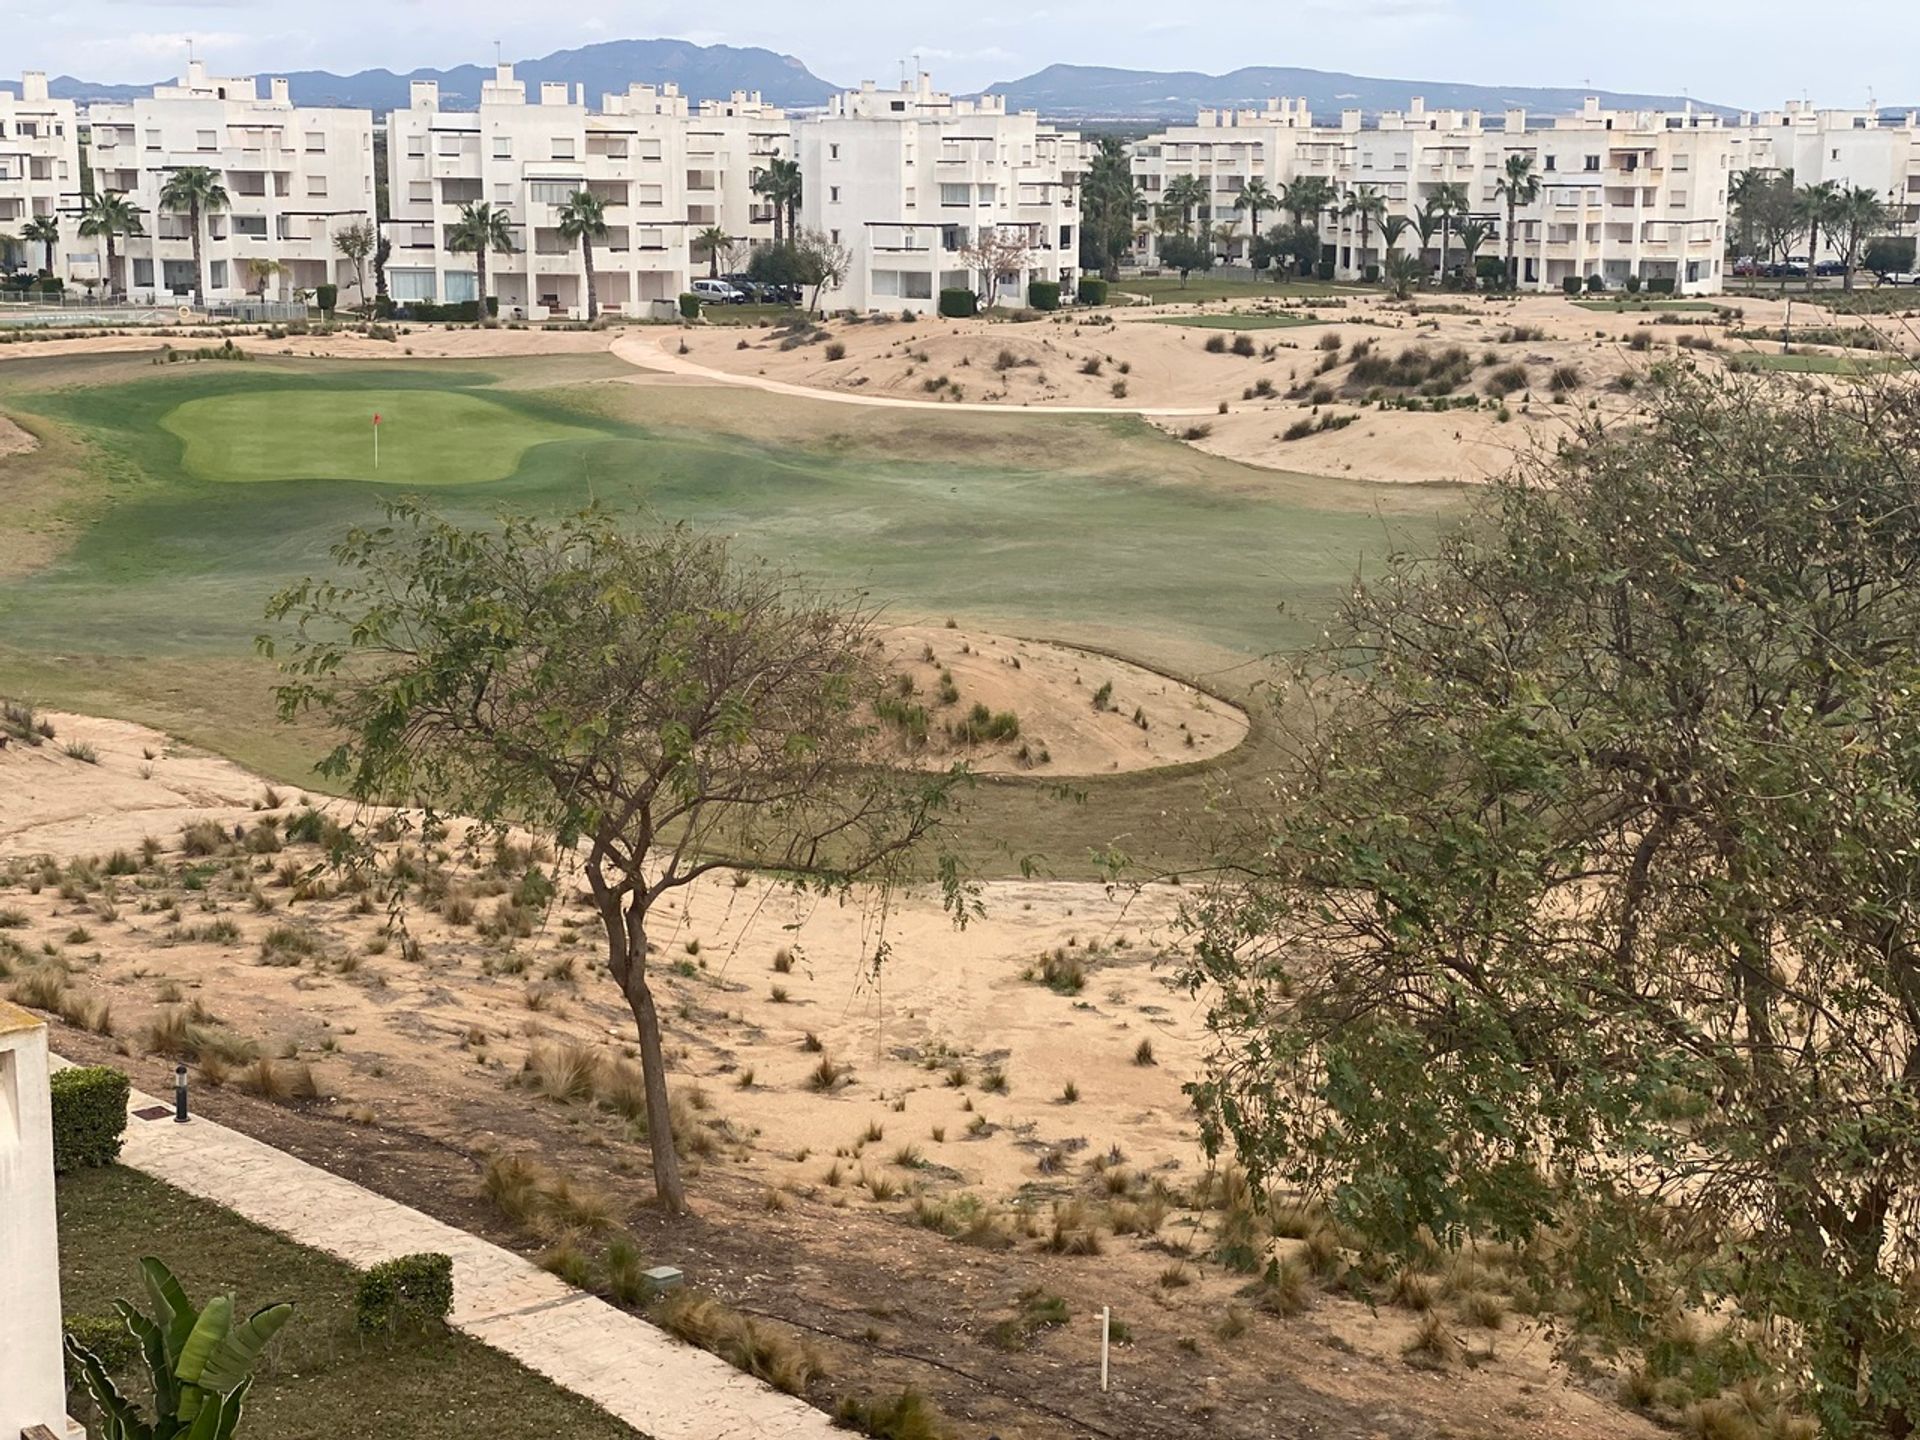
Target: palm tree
(1366, 205)
(1184, 195)
(1254, 197)
(1426, 224)
(43, 230)
(714, 239)
(584, 218)
(1518, 186)
(1858, 214)
(1473, 235)
(1402, 271)
(260, 270)
(197, 190)
(780, 185)
(1744, 193)
(1305, 198)
(1109, 201)
(1449, 198)
(1392, 227)
(480, 229)
(1817, 207)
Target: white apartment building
(1622, 193)
(907, 179)
(1851, 148)
(294, 176)
(665, 171)
(40, 175)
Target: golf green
(427, 437)
(1238, 322)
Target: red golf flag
(376, 417)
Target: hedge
(1595, 285)
(689, 305)
(958, 304)
(89, 1116)
(107, 1339)
(1043, 294)
(417, 1287)
(327, 297)
(1661, 286)
(1092, 290)
(1323, 270)
(1571, 285)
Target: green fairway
(1167, 289)
(427, 437)
(1604, 307)
(1238, 322)
(1091, 529)
(1804, 364)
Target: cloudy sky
(1751, 53)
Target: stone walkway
(633, 1370)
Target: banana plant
(200, 1363)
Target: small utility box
(663, 1278)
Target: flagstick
(376, 447)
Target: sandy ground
(955, 1059)
(424, 342)
(1146, 719)
(14, 440)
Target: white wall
(32, 1380)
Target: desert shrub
(1243, 346)
(1565, 379)
(700, 1320)
(1506, 380)
(414, 1289)
(835, 351)
(203, 837)
(89, 1116)
(907, 1416)
(958, 304)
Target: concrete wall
(32, 1385)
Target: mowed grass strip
(319, 1380)
(1614, 307)
(1238, 322)
(427, 437)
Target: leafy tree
(480, 231)
(776, 264)
(196, 191)
(781, 186)
(1518, 186)
(656, 705)
(1889, 254)
(356, 243)
(820, 262)
(109, 213)
(1297, 246)
(43, 230)
(1185, 254)
(584, 219)
(1767, 205)
(1586, 914)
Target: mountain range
(1065, 92)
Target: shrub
(1566, 378)
(908, 1416)
(836, 351)
(1216, 345)
(327, 297)
(89, 1116)
(412, 1288)
(1243, 346)
(1595, 285)
(1661, 286)
(1043, 294)
(1092, 290)
(1505, 381)
(108, 1340)
(689, 305)
(958, 304)
(1571, 285)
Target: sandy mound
(14, 440)
(419, 342)
(1143, 719)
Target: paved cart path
(633, 1370)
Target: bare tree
(654, 705)
(996, 252)
(820, 262)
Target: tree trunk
(480, 279)
(199, 276)
(1513, 272)
(111, 267)
(593, 301)
(667, 1185)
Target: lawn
(427, 437)
(320, 1380)
(1239, 321)
(1614, 307)
(1804, 364)
(1167, 289)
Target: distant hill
(1094, 92)
(703, 72)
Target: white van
(718, 292)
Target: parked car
(718, 292)
(1899, 277)
(1830, 267)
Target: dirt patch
(812, 1200)
(14, 440)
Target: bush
(1888, 254)
(1595, 285)
(89, 1116)
(1373, 274)
(1571, 285)
(416, 1288)
(958, 304)
(1323, 270)
(1662, 286)
(108, 1339)
(1043, 294)
(689, 306)
(835, 351)
(1491, 271)
(327, 297)
(1092, 290)
(1633, 284)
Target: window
(316, 185)
(833, 194)
(1593, 162)
(986, 194)
(316, 142)
(405, 285)
(563, 147)
(833, 152)
(648, 195)
(911, 198)
(1551, 165)
(462, 285)
(646, 149)
(143, 272)
(953, 194)
(217, 275)
(551, 192)
(420, 190)
(252, 226)
(448, 145)
(207, 140)
(153, 139)
(417, 145)
(834, 236)
(503, 147)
